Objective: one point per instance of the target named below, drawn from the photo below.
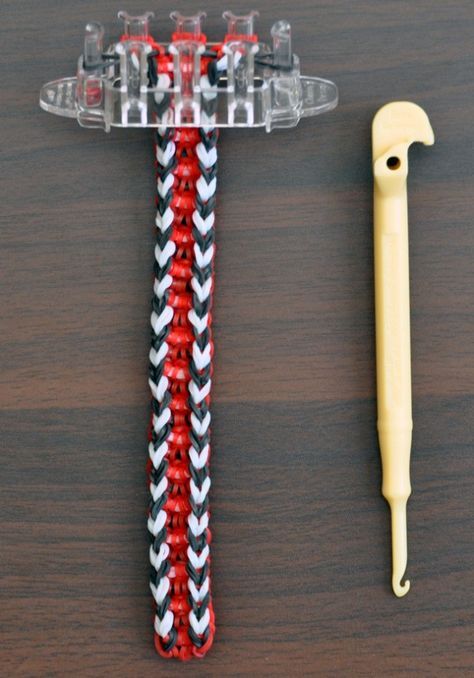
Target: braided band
(180, 371)
(180, 376)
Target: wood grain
(301, 549)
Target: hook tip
(400, 589)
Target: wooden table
(301, 553)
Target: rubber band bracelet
(185, 90)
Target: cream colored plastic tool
(395, 127)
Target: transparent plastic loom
(258, 85)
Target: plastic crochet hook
(395, 127)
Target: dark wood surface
(301, 554)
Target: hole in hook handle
(393, 162)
